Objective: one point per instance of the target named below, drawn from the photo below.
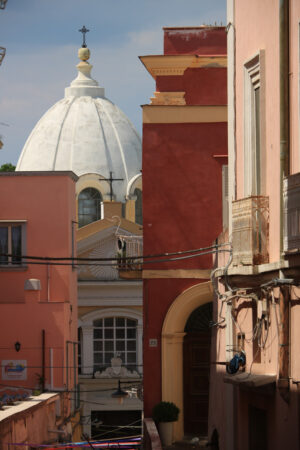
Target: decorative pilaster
(172, 375)
(87, 350)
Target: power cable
(51, 263)
(71, 391)
(118, 428)
(155, 255)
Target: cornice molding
(201, 274)
(170, 65)
(184, 114)
(168, 98)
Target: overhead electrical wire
(71, 391)
(116, 263)
(154, 255)
(117, 429)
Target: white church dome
(85, 133)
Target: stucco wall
(198, 40)
(182, 188)
(260, 20)
(47, 203)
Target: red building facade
(184, 151)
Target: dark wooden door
(196, 363)
(258, 429)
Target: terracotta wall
(182, 188)
(207, 86)
(32, 421)
(189, 40)
(47, 202)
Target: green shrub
(165, 412)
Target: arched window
(115, 336)
(138, 206)
(89, 206)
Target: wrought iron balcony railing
(250, 231)
(129, 248)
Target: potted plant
(165, 413)
(39, 390)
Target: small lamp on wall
(17, 346)
(119, 394)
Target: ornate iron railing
(129, 247)
(250, 231)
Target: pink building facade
(38, 301)
(257, 303)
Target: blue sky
(41, 39)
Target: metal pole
(67, 364)
(43, 360)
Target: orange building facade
(38, 304)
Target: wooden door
(196, 363)
(258, 429)
(196, 358)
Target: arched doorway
(172, 346)
(196, 368)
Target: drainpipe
(43, 360)
(284, 343)
(284, 105)
(48, 283)
(67, 365)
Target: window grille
(115, 336)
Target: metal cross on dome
(110, 180)
(83, 31)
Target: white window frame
(253, 73)
(9, 224)
(86, 324)
(115, 352)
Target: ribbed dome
(85, 133)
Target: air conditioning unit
(250, 231)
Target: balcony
(250, 231)
(129, 247)
(291, 192)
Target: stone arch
(92, 180)
(172, 345)
(110, 312)
(135, 182)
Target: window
(115, 336)
(12, 242)
(253, 155)
(138, 206)
(89, 206)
